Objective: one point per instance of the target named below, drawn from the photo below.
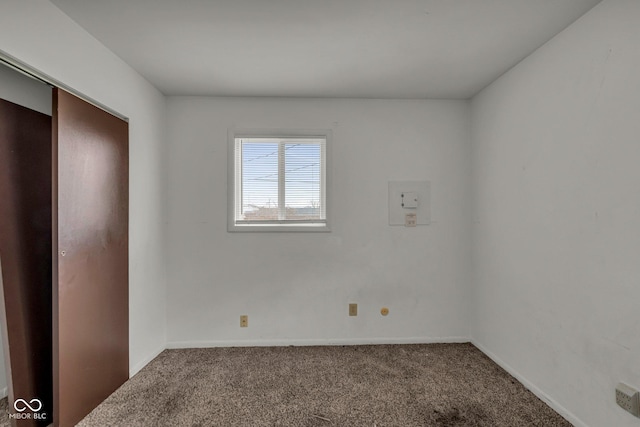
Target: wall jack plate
(627, 398)
(409, 197)
(410, 220)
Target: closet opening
(26, 379)
(64, 194)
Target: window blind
(282, 180)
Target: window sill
(257, 228)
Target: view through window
(280, 180)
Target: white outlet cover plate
(397, 212)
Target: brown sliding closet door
(25, 251)
(90, 225)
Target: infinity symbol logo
(25, 405)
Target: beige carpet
(386, 385)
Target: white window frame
(234, 190)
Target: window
(278, 181)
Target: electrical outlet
(244, 321)
(353, 309)
(627, 398)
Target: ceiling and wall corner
(336, 48)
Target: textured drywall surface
(296, 287)
(557, 215)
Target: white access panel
(420, 190)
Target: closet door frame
(116, 373)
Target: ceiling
(323, 48)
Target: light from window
(279, 183)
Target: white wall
(556, 241)
(296, 287)
(22, 90)
(39, 34)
